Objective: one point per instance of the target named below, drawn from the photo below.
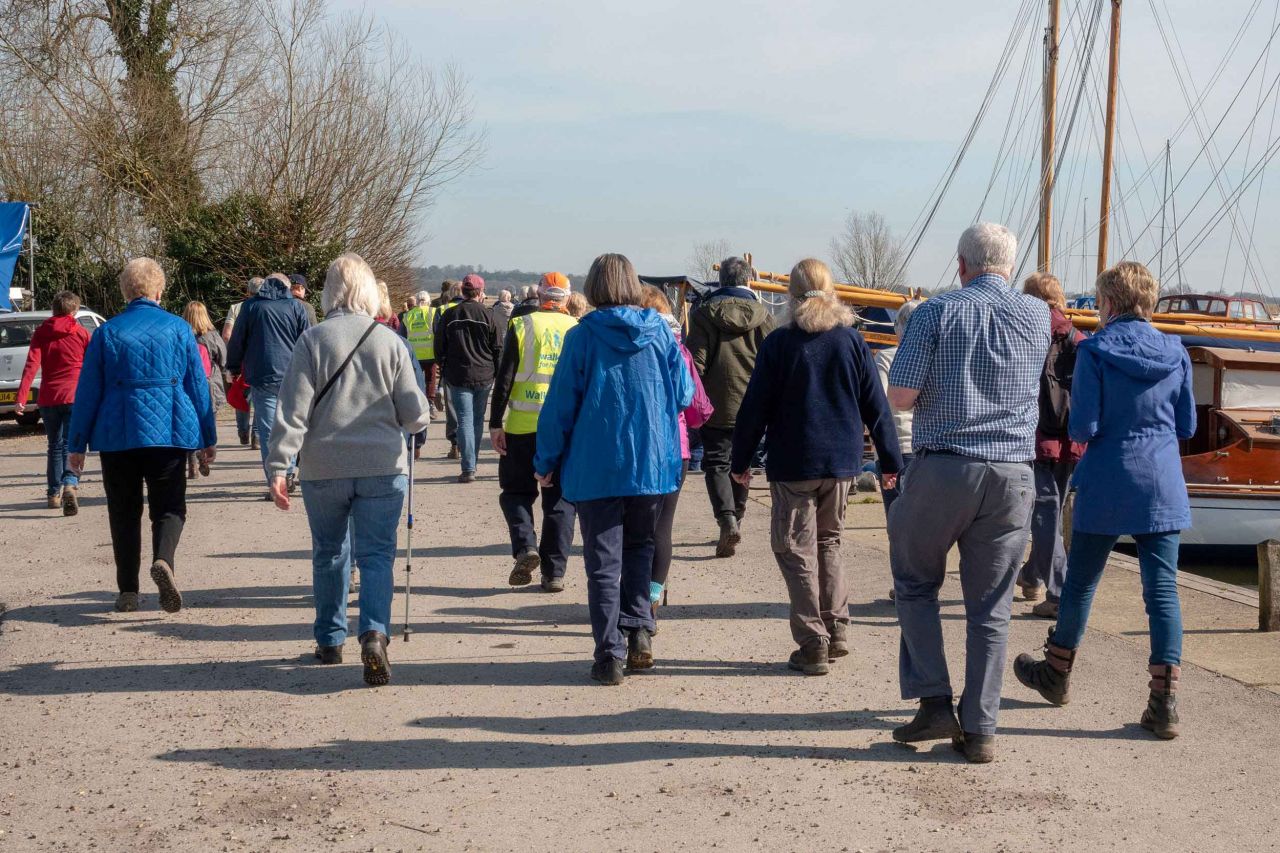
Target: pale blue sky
(645, 127)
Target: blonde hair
(814, 306)
(197, 317)
(1045, 287)
(612, 280)
(655, 299)
(349, 284)
(141, 278)
(385, 311)
(1128, 288)
(576, 305)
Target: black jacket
(468, 345)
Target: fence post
(1269, 585)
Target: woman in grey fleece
(353, 438)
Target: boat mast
(1048, 146)
(1164, 208)
(1113, 83)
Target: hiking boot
(977, 749)
(53, 501)
(170, 598)
(291, 483)
(191, 467)
(730, 536)
(453, 453)
(268, 496)
(1031, 592)
(1046, 609)
(329, 654)
(373, 653)
(1051, 677)
(70, 500)
(607, 672)
(639, 649)
(1161, 714)
(811, 658)
(936, 720)
(253, 441)
(839, 646)
(244, 437)
(203, 465)
(126, 602)
(526, 564)
(550, 584)
(467, 477)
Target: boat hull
(1232, 520)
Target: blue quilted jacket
(142, 385)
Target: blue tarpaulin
(13, 225)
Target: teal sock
(655, 592)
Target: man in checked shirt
(969, 367)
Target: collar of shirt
(989, 279)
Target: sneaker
(526, 564)
(730, 536)
(550, 584)
(811, 658)
(639, 649)
(170, 598)
(839, 646)
(607, 672)
(977, 749)
(453, 452)
(244, 438)
(936, 720)
(53, 501)
(373, 653)
(70, 500)
(467, 477)
(126, 602)
(1046, 609)
(329, 654)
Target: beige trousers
(808, 517)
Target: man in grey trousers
(969, 367)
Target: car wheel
(29, 419)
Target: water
(1235, 565)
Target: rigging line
(1010, 124)
(1253, 226)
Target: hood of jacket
(734, 314)
(62, 326)
(274, 288)
(624, 329)
(1137, 349)
(1059, 323)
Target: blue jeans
(353, 517)
(57, 426)
(1047, 564)
(265, 401)
(1158, 565)
(243, 419)
(617, 548)
(468, 406)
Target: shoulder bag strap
(334, 378)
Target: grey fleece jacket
(358, 429)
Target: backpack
(1055, 385)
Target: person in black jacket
(468, 345)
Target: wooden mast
(1113, 83)
(1048, 148)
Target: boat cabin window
(1237, 311)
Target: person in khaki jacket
(726, 331)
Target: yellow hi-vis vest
(539, 338)
(418, 322)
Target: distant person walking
(468, 347)
(244, 419)
(577, 306)
(143, 403)
(298, 290)
(213, 357)
(813, 388)
(56, 352)
(346, 402)
(450, 295)
(608, 426)
(969, 368)
(726, 332)
(502, 308)
(1132, 401)
(419, 327)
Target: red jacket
(57, 351)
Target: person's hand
(75, 461)
(498, 438)
(279, 492)
(20, 407)
(208, 454)
(544, 480)
(888, 481)
(743, 479)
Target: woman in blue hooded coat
(1131, 402)
(608, 430)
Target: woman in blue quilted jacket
(143, 403)
(609, 428)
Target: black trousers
(727, 497)
(163, 470)
(519, 492)
(662, 535)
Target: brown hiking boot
(191, 466)
(730, 536)
(1046, 610)
(1051, 677)
(639, 649)
(53, 501)
(1031, 592)
(70, 500)
(126, 602)
(373, 653)
(811, 658)
(839, 640)
(329, 654)
(453, 453)
(977, 749)
(170, 598)
(526, 564)
(1161, 714)
(935, 720)
(253, 440)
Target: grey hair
(530, 292)
(735, 272)
(988, 248)
(504, 296)
(254, 285)
(903, 315)
(350, 285)
(422, 298)
(141, 278)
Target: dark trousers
(163, 469)
(662, 535)
(727, 496)
(519, 492)
(617, 548)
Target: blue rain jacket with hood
(610, 420)
(265, 334)
(1131, 401)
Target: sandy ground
(213, 730)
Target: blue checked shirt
(975, 355)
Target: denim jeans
(265, 401)
(1047, 564)
(469, 408)
(617, 548)
(57, 426)
(1158, 566)
(244, 419)
(353, 518)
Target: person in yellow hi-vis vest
(418, 325)
(529, 359)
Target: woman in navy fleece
(813, 388)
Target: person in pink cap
(468, 347)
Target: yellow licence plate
(11, 396)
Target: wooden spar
(859, 296)
(1048, 148)
(1108, 153)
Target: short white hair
(988, 248)
(141, 278)
(254, 285)
(422, 298)
(351, 286)
(504, 296)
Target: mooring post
(1269, 585)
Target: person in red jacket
(57, 351)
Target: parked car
(16, 330)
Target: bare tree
(867, 254)
(706, 255)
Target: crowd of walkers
(987, 416)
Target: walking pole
(408, 560)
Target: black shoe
(467, 477)
(607, 672)
(550, 584)
(244, 438)
(526, 564)
(1049, 681)
(170, 598)
(811, 658)
(373, 653)
(329, 654)
(977, 749)
(936, 720)
(639, 649)
(730, 536)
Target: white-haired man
(969, 368)
(244, 422)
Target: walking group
(991, 410)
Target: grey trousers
(1047, 564)
(985, 507)
(807, 519)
